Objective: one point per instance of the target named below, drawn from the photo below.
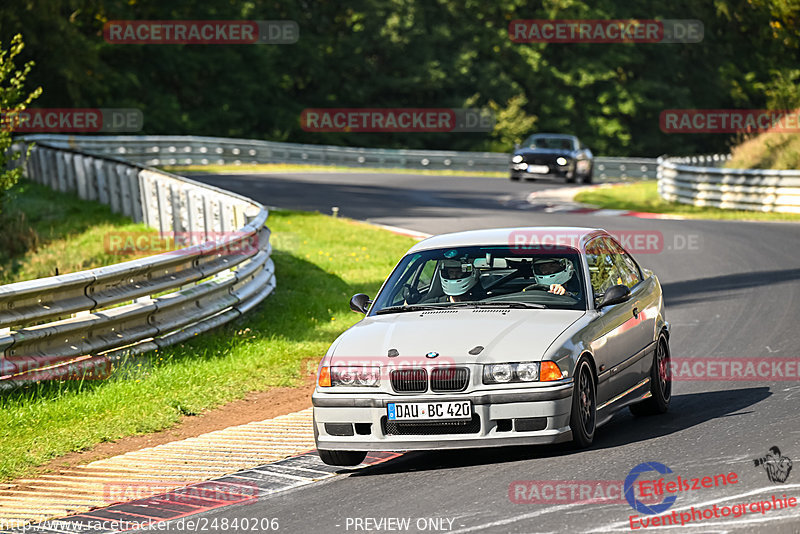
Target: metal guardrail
(73, 324)
(189, 150)
(745, 189)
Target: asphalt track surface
(731, 289)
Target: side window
(603, 272)
(628, 271)
(425, 277)
(416, 283)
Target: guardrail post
(93, 178)
(103, 178)
(38, 163)
(134, 203)
(175, 207)
(80, 176)
(72, 172)
(147, 199)
(163, 208)
(115, 178)
(224, 225)
(60, 171)
(90, 175)
(208, 215)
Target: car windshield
(558, 143)
(481, 276)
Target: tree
(12, 100)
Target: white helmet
(457, 277)
(552, 271)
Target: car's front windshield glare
(557, 143)
(489, 275)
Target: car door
(615, 346)
(645, 300)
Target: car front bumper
(536, 415)
(558, 171)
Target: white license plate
(428, 411)
(538, 169)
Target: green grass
(643, 196)
(285, 167)
(320, 262)
(44, 231)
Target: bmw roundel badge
(432, 355)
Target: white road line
(501, 522)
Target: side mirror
(516, 146)
(615, 295)
(360, 303)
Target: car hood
(544, 152)
(505, 335)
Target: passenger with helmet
(460, 281)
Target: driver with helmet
(553, 272)
(460, 278)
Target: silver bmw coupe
(496, 337)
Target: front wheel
(583, 418)
(514, 177)
(587, 178)
(347, 458)
(660, 383)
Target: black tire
(348, 458)
(583, 416)
(660, 383)
(571, 178)
(587, 178)
(514, 177)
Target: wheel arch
(592, 364)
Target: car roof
(505, 236)
(565, 136)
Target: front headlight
(497, 373)
(503, 373)
(528, 371)
(355, 376)
(516, 159)
(561, 161)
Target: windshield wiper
(499, 304)
(411, 308)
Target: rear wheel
(583, 418)
(342, 457)
(660, 383)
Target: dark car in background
(552, 155)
